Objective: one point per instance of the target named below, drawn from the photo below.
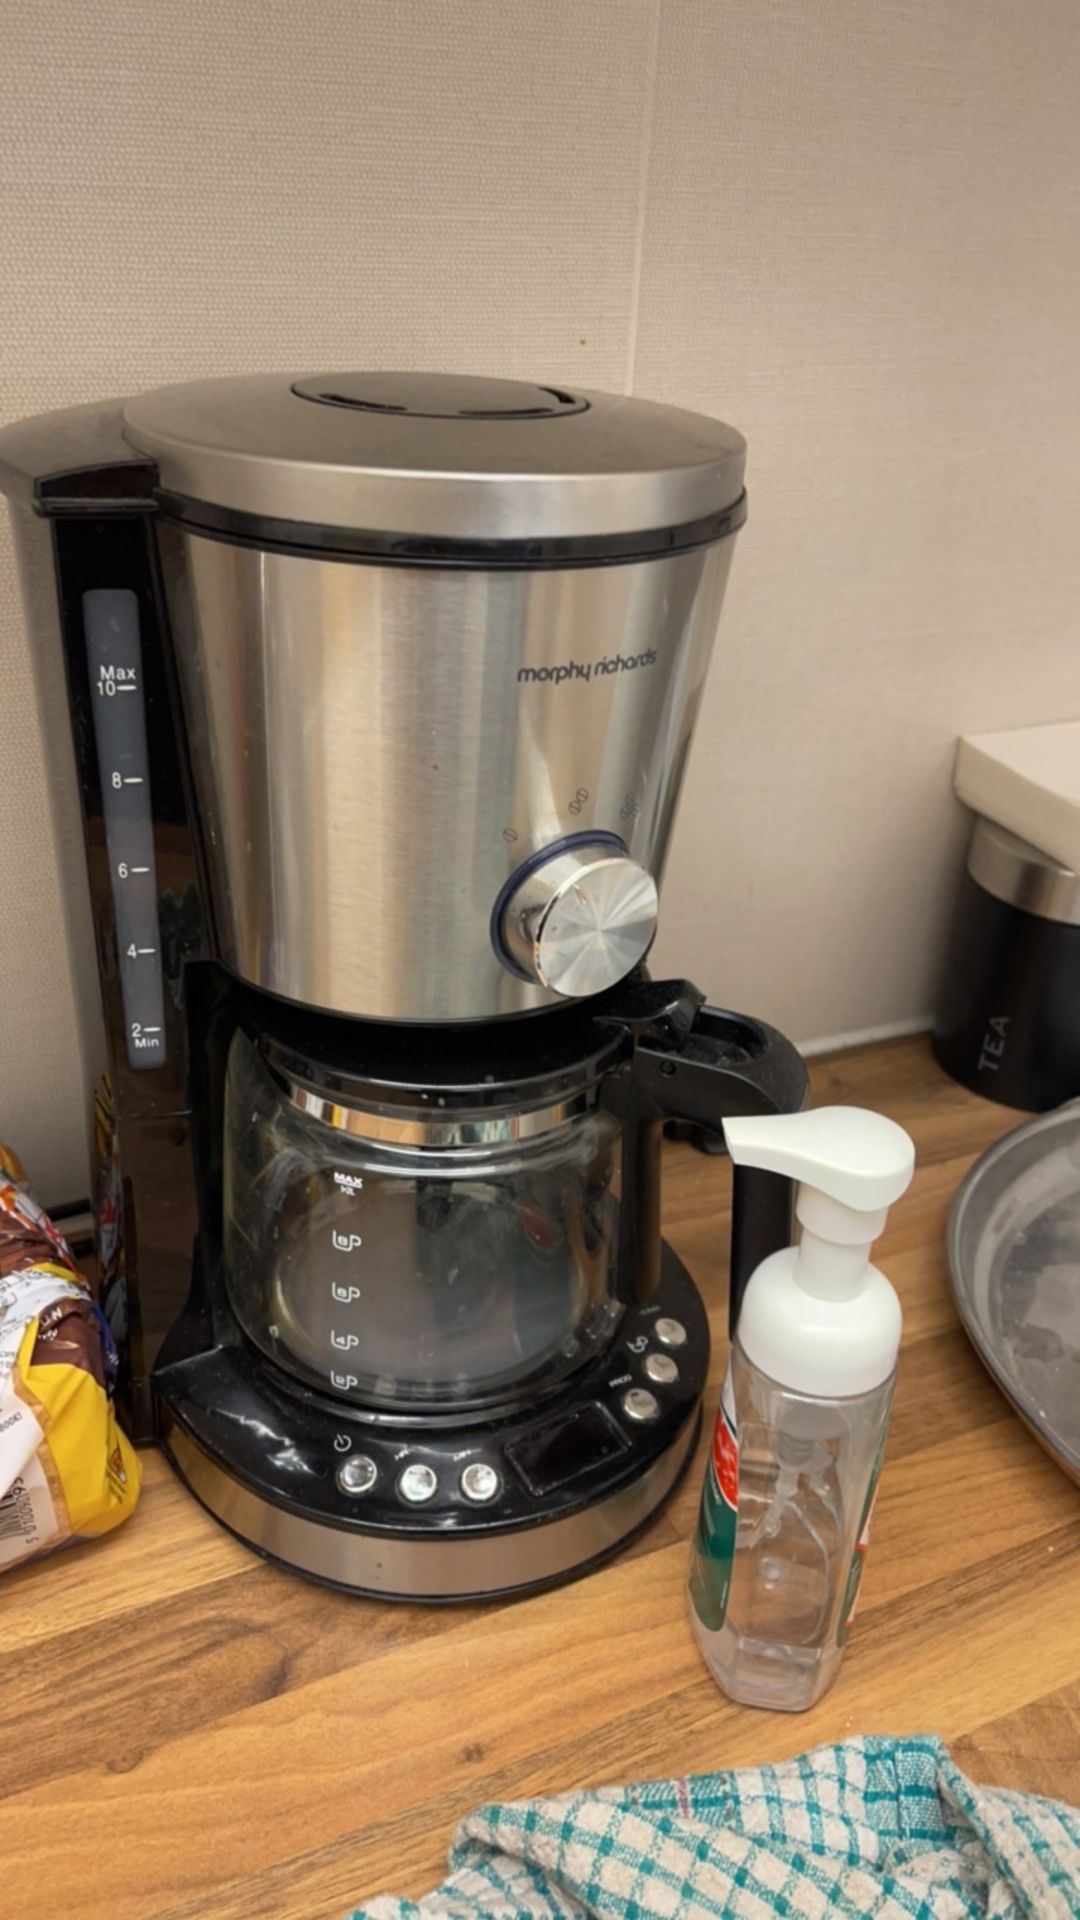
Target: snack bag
(66, 1471)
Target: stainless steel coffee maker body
(378, 751)
(455, 696)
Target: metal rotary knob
(580, 920)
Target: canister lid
(1014, 871)
(427, 457)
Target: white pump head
(851, 1164)
(819, 1317)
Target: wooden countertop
(193, 1735)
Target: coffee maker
(381, 690)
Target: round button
(480, 1482)
(417, 1483)
(670, 1333)
(581, 920)
(661, 1368)
(640, 1405)
(358, 1474)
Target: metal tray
(1014, 1254)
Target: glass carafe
(444, 1258)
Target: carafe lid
(405, 459)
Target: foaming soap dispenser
(785, 1511)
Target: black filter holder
(1008, 1013)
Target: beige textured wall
(854, 230)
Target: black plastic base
(518, 1590)
(578, 1474)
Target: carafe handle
(696, 1063)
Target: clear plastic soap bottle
(799, 1437)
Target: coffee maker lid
(395, 459)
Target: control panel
(625, 1405)
(114, 663)
(525, 1466)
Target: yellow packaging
(67, 1472)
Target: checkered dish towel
(876, 1829)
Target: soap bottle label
(714, 1542)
